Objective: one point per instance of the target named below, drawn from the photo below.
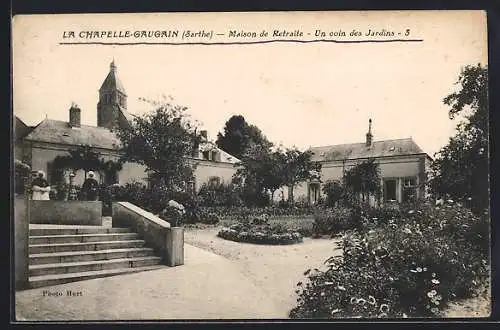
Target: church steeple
(112, 99)
(112, 66)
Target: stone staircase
(63, 255)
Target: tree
(363, 180)
(87, 159)
(460, 169)
(334, 192)
(161, 140)
(239, 137)
(298, 167)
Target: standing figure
(40, 187)
(90, 188)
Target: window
(409, 189)
(409, 182)
(314, 192)
(214, 181)
(214, 156)
(206, 155)
(390, 190)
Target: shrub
(334, 192)
(413, 265)
(219, 194)
(259, 231)
(332, 221)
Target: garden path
(220, 280)
(276, 269)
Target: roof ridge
(66, 122)
(345, 144)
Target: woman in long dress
(40, 187)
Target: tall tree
(239, 137)
(460, 169)
(363, 180)
(298, 168)
(160, 140)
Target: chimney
(204, 135)
(369, 135)
(74, 116)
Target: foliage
(259, 231)
(334, 220)
(460, 169)
(363, 179)
(298, 167)
(21, 173)
(161, 140)
(85, 158)
(239, 137)
(334, 192)
(409, 265)
(269, 211)
(215, 194)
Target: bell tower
(112, 99)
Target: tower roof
(112, 82)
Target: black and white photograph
(251, 166)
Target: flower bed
(259, 231)
(411, 264)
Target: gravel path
(274, 268)
(219, 280)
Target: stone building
(39, 145)
(403, 167)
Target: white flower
(335, 311)
(435, 281)
(419, 270)
(431, 293)
(411, 212)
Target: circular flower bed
(259, 232)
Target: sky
(298, 94)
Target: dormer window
(214, 156)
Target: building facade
(39, 145)
(402, 163)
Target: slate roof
(387, 148)
(57, 131)
(20, 129)
(112, 82)
(224, 156)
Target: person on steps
(40, 187)
(90, 188)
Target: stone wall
(21, 243)
(66, 212)
(167, 242)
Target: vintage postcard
(251, 165)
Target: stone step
(76, 231)
(48, 280)
(82, 238)
(87, 266)
(74, 256)
(88, 246)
